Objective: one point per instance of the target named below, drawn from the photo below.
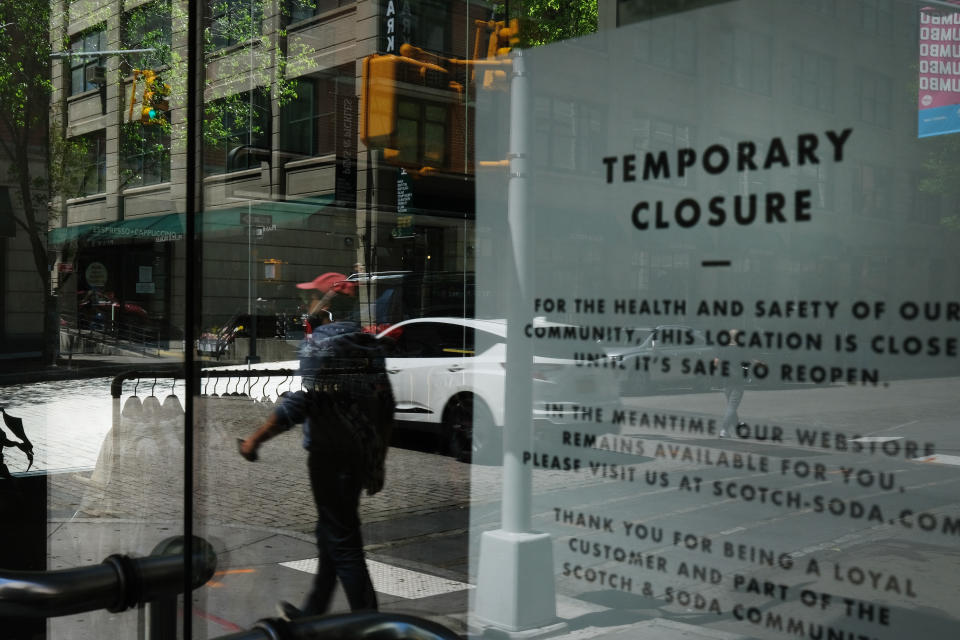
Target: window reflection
(233, 22)
(293, 191)
(84, 68)
(148, 26)
(94, 179)
(237, 131)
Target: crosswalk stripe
(394, 581)
(939, 458)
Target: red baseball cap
(331, 281)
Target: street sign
(257, 219)
(96, 274)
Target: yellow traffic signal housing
(391, 79)
(378, 100)
(155, 108)
(501, 38)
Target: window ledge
(231, 176)
(96, 197)
(328, 158)
(146, 189)
(306, 23)
(240, 46)
(82, 95)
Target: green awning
(288, 214)
(164, 228)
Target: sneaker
(287, 611)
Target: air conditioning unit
(96, 74)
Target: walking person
(733, 385)
(347, 416)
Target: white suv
(448, 377)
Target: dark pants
(336, 494)
(734, 395)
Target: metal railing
(117, 333)
(119, 583)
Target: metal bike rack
(370, 625)
(119, 583)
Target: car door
(398, 361)
(426, 366)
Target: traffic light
(391, 80)
(155, 107)
(507, 36)
(501, 38)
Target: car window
(431, 340)
(454, 341)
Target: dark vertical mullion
(192, 290)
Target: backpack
(371, 433)
(348, 368)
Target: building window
(145, 155)
(82, 66)
(925, 205)
(567, 135)
(875, 17)
(671, 43)
(421, 133)
(233, 22)
(823, 7)
(813, 80)
(307, 121)
(94, 178)
(303, 9)
(746, 61)
(874, 97)
(237, 132)
(149, 26)
(873, 191)
(819, 180)
(656, 136)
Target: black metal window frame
(246, 123)
(423, 128)
(94, 179)
(145, 158)
(308, 122)
(91, 40)
(232, 22)
(148, 25)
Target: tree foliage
(546, 21)
(24, 106)
(25, 89)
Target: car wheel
(469, 430)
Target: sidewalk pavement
(590, 621)
(250, 557)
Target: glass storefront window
(607, 319)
